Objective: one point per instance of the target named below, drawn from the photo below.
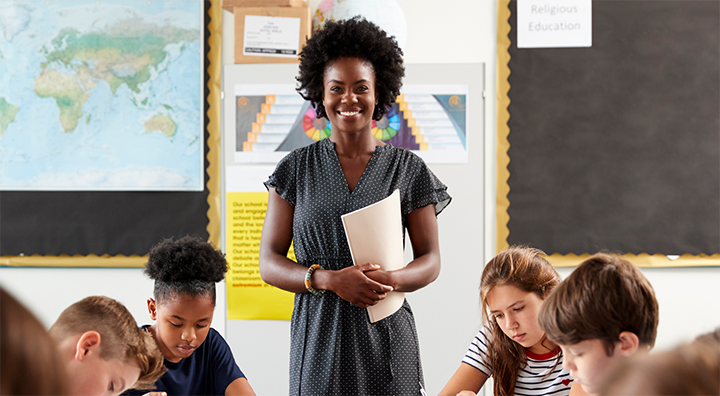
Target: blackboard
(614, 147)
(104, 228)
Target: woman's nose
(349, 98)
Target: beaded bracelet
(307, 280)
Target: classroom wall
(447, 313)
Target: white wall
(447, 313)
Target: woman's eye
(498, 316)
(362, 89)
(334, 89)
(519, 309)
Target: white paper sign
(271, 36)
(554, 23)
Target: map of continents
(101, 95)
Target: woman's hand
(381, 276)
(352, 284)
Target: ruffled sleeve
(284, 179)
(425, 189)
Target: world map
(101, 95)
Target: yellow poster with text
(248, 297)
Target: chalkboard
(38, 227)
(614, 147)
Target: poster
(273, 119)
(102, 95)
(248, 297)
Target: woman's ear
(152, 308)
(629, 343)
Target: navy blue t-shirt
(208, 371)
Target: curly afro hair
(351, 38)
(187, 266)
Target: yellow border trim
(214, 42)
(89, 261)
(503, 101)
(503, 174)
(642, 260)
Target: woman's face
(182, 324)
(349, 94)
(516, 312)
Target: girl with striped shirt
(511, 348)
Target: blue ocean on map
(101, 95)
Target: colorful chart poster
(272, 119)
(248, 297)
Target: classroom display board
(614, 147)
(114, 218)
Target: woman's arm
(350, 283)
(239, 387)
(466, 378)
(425, 268)
(275, 268)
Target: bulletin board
(118, 228)
(614, 147)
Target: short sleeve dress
(334, 348)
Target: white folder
(375, 235)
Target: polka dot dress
(334, 349)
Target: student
(29, 360)
(103, 350)
(511, 347)
(604, 312)
(688, 369)
(197, 358)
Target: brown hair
(29, 360)
(526, 269)
(601, 298)
(121, 338)
(688, 369)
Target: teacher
(351, 72)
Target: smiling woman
(351, 72)
(197, 358)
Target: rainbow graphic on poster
(273, 120)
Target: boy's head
(603, 312)
(29, 360)
(104, 351)
(688, 369)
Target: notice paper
(554, 23)
(271, 36)
(375, 235)
(248, 297)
